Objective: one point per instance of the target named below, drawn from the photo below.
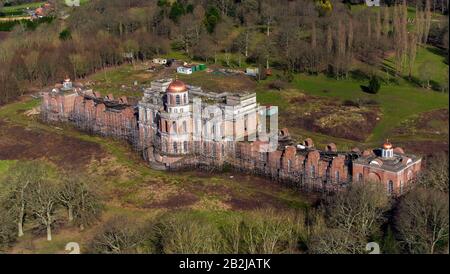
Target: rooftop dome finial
(387, 144)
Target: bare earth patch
(331, 117)
(432, 124)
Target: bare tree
(335, 241)
(436, 172)
(8, 231)
(359, 210)
(21, 177)
(423, 221)
(353, 215)
(426, 71)
(43, 200)
(269, 12)
(412, 52)
(119, 235)
(180, 234)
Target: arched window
(184, 126)
(174, 127)
(214, 152)
(178, 100)
(409, 175)
(390, 187)
(185, 146)
(175, 147)
(185, 99)
(245, 122)
(336, 176)
(360, 177)
(312, 170)
(166, 126)
(289, 164)
(401, 187)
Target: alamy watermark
(215, 122)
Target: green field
(398, 102)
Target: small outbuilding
(184, 70)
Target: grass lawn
(431, 54)
(398, 102)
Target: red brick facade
(303, 165)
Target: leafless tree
(119, 235)
(8, 231)
(43, 200)
(435, 174)
(353, 215)
(19, 181)
(423, 221)
(336, 241)
(180, 234)
(360, 209)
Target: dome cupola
(387, 151)
(176, 86)
(177, 97)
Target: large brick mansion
(178, 126)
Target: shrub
(374, 85)
(65, 35)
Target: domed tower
(176, 123)
(177, 97)
(387, 151)
(67, 84)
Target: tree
(360, 209)
(335, 241)
(435, 176)
(211, 19)
(426, 71)
(269, 12)
(19, 180)
(412, 52)
(88, 204)
(187, 32)
(182, 234)
(68, 194)
(119, 235)
(354, 215)
(423, 220)
(43, 200)
(8, 231)
(80, 65)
